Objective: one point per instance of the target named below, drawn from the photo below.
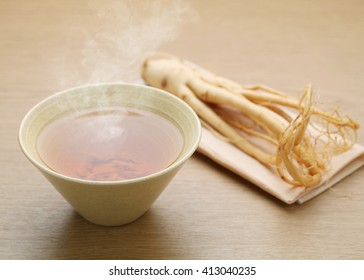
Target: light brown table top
(206, 212)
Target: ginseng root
(302, 147)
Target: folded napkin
(230, 157)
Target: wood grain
(206, 212)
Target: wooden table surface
(206, 212)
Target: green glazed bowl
(114, 202)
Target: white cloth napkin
(247, 167)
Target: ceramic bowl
(114, 202)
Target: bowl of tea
(110, 149)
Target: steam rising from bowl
(120, 35)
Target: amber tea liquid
(110, 144)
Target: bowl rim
(179, 161)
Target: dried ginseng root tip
(300, 148)
(297, 160)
